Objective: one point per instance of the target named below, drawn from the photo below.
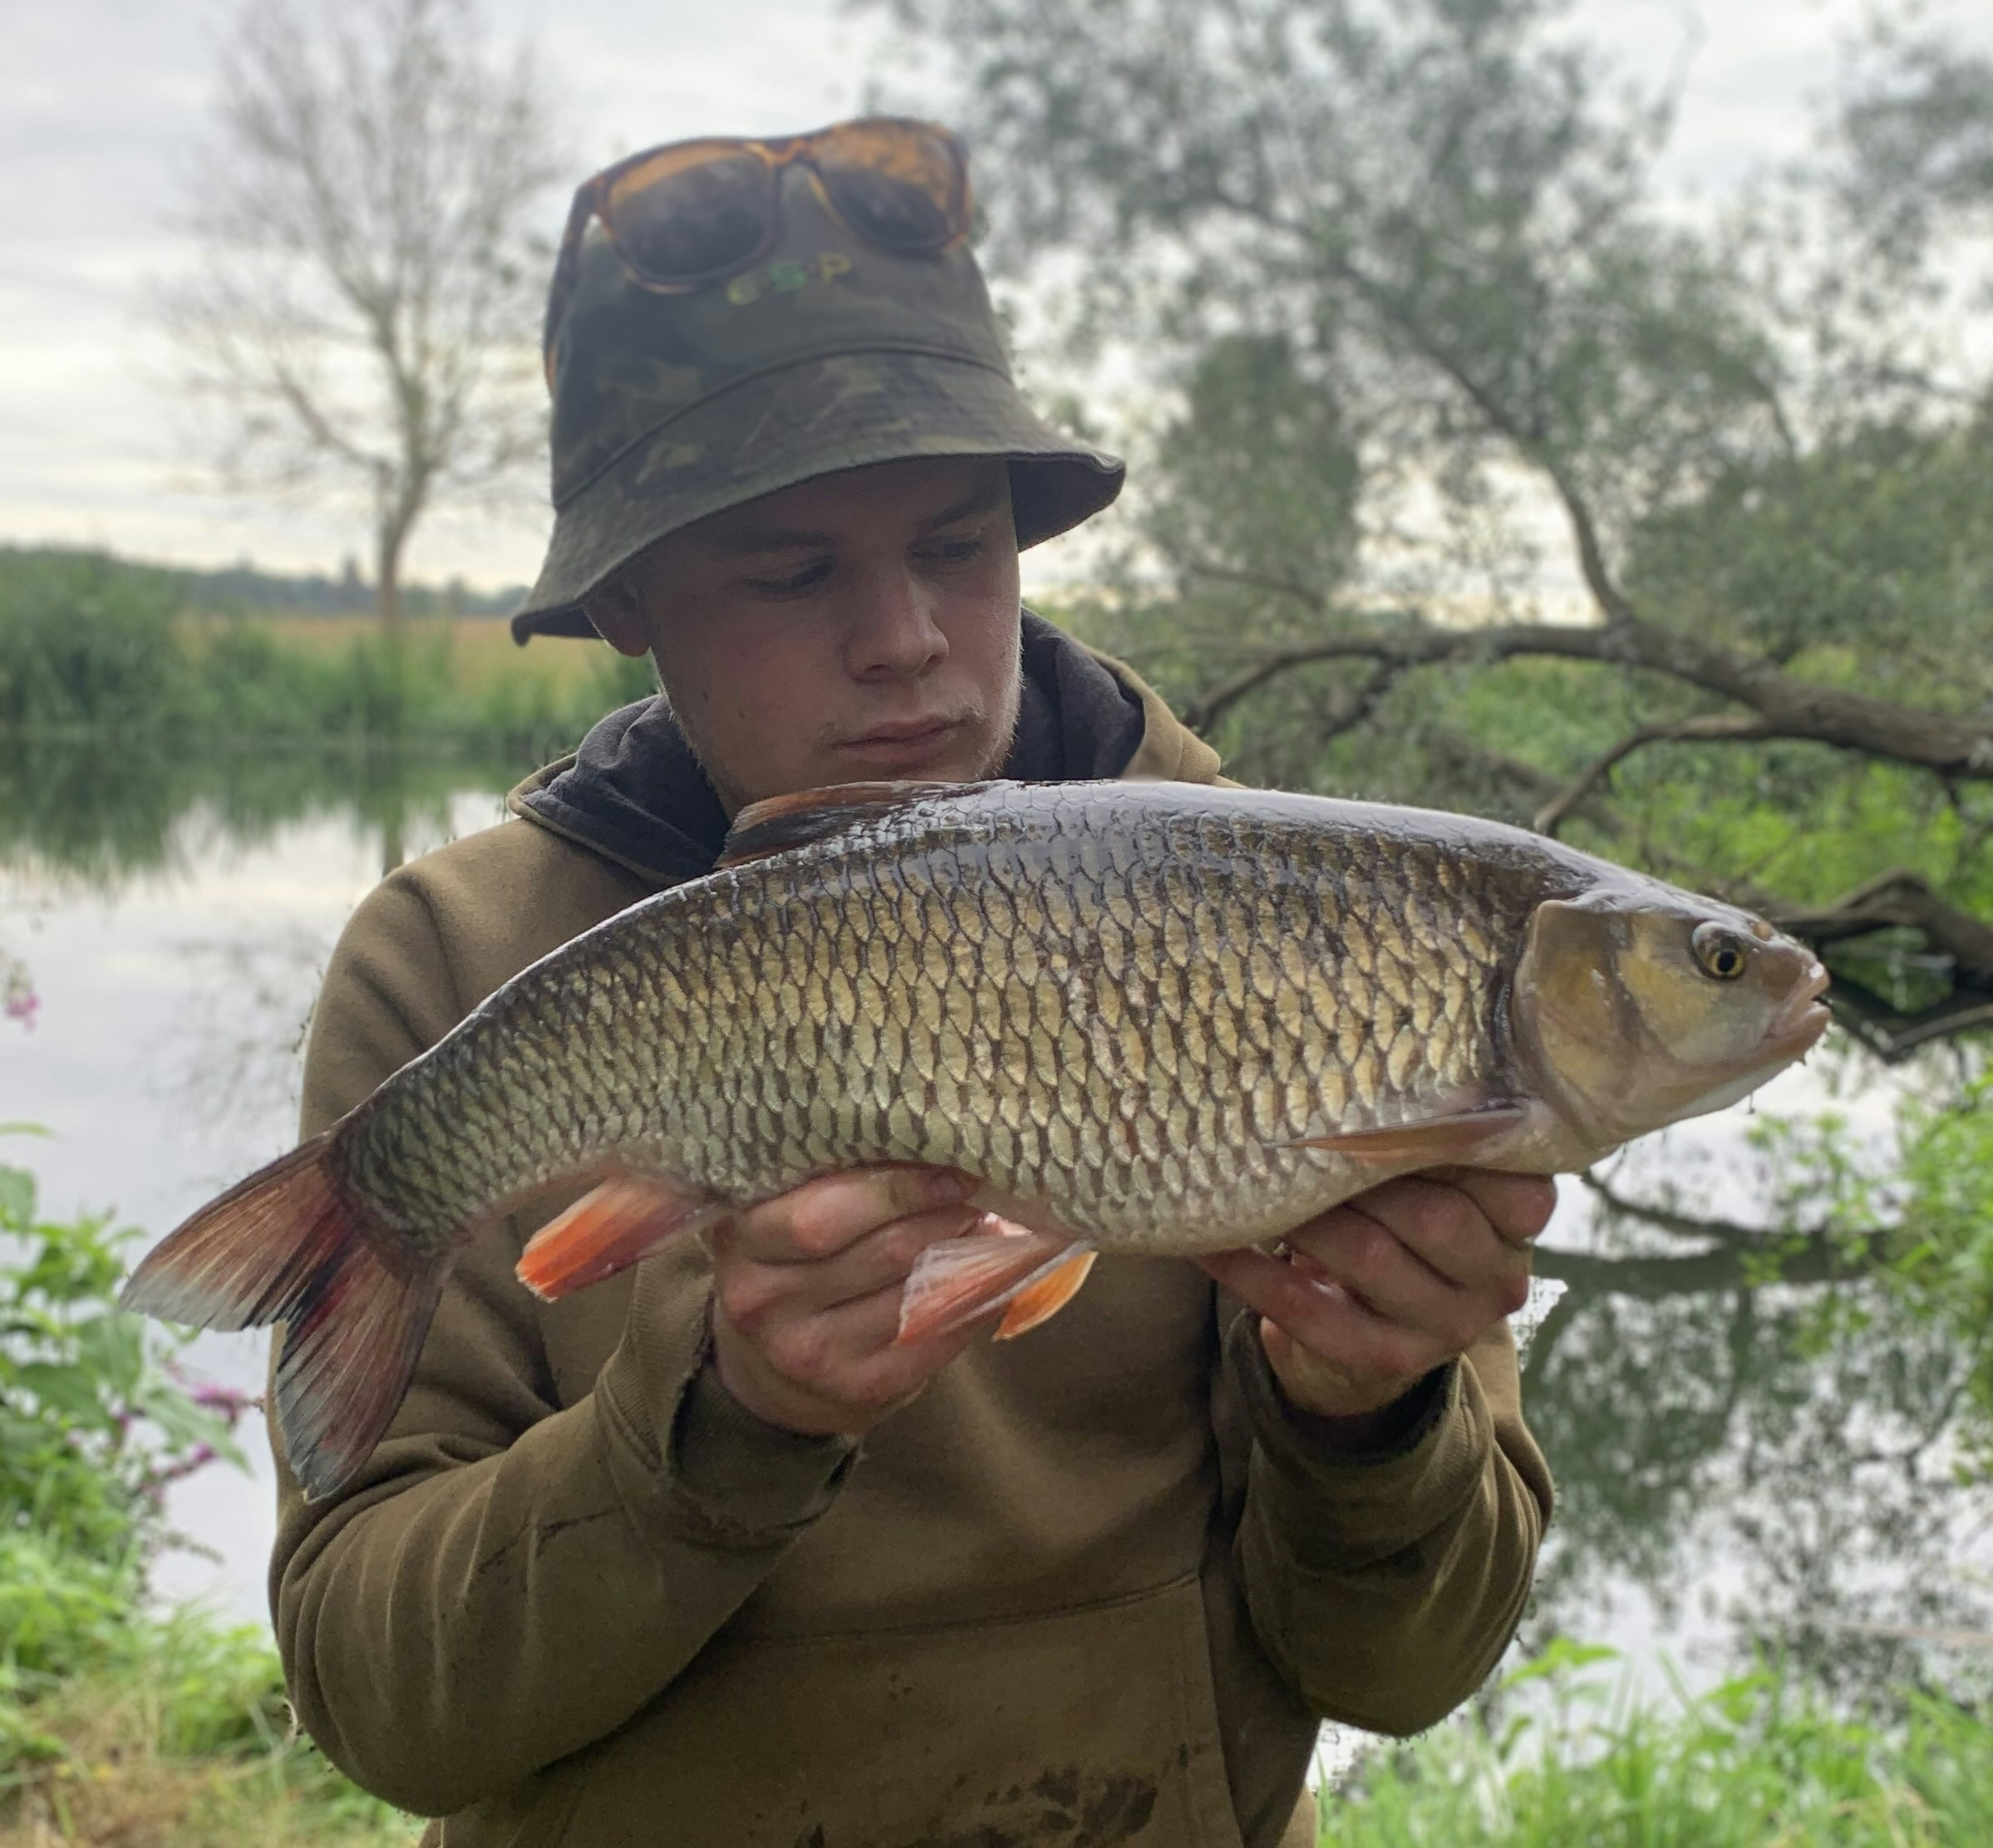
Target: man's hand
(806, 1293)
(1377, 1292)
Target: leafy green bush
(117, 1721)
(95, 1419)
(84, 640)
(1917, 1213)
(1757, 1761)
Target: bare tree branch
(1708, 728)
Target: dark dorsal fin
(784, 822)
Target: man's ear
(617, 614)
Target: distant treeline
(243, 587)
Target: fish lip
(1803, 1018)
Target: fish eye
(1718, 950)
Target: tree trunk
(387, 583)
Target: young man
(700, 1556)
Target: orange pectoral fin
(1039, 1301)
(626, 1218)
(1457, 1137)
(957, 1280)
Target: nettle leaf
(16, 1199)
(71, 1391)
(113, 1347)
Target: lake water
(1736, 1469)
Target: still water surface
(1734, 1471)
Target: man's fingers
(836, 1369)
(825, 1215)
(1325, 1318)
(750, 1289)
(1519, 1206)
(1386, 1275)
(1442, 1222)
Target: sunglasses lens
(900, 186)
(702, 220)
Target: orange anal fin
(957, 1280)
(1431, 1141)
(1039, 1301)
(626, 1218)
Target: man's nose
(893, 633)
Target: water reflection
(1748, 1451)
(1771, 1464)
(104, 810)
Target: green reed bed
(1758, 1762)
(92, 644)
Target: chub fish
(1149, 1019)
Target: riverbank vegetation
(95, 646)
(1759, 1762)
(121, 1722)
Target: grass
(1757, 1763)
(185, 1743)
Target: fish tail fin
(626, 1218)
(292, 1245)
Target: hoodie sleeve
(508, 1579)
(1384, 1587)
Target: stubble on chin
(1004, 734)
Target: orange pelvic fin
(292, 1245)
(1039, 1301)
(959, 1279)
(626, 1218)
(1458, 1136)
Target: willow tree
(1490, 477)
(361, 319)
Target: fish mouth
(1805, 1017)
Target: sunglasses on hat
(691, 213)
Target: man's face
(863, 625)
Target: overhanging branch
(1708, 728)
(1947, 743)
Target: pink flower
(19, 1000)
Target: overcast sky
(100, 101)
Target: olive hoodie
(1099, 1585)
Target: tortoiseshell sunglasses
(691, 213)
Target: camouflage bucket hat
(826, 354)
